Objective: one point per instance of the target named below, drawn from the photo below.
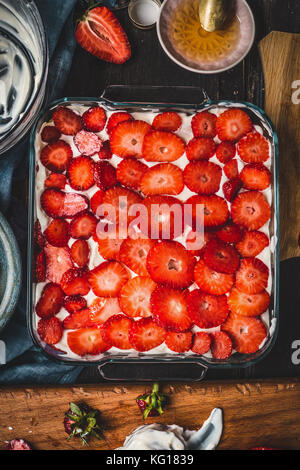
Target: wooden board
(281, 66)
(255, 413)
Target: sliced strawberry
(179, 342)
(204, 124)
(58, 261)
(252, 276)
(72, 303)
(83, 225)
(78, 319)
(74, 282)
(58, 204)
(221, 345)
(116, 331)
(169, 263)
(57, 232)
(201, 342)
(250, 305)
(196, 242)
(200, 148)
(164, 217)
(108, 278)
(169, 308)
(56, 180)
(202, 177)
(163, 178)
(88, 143)
(94, 119)
(130, 172)
(56, 156)
(81, 173)
(96, 201)
(225, 152)
(251, 210)
(167, 121)
(231, 188)
(38, 237)
(221, 257)
(254, 148)
(105, 175)
(66, 121)
(50, 330)
(40, 267)
(252, 244)
(109, 248)
(211, 281)
(230, 233)
(120, 200)
(207, 310)
(255, 176)
(50, 134)
(80, 253)
(87, 341)
(214, 209)
(126, 138)
(134, 252)
(231, 169)
(233, 124)
(134, 297)
(100, 33)
(145, 334)
(162, 146)
(105, 152)
(247, 333)
(116, 118)
(50, 301)
(99, 311)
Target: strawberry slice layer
(169, 309)
(57, 233)
(249, 305)
(200, 148)
(80, 253)
(87, 341)
(116, 118)
(50, 134)
(247, 333)
(59, 204)
(162, 146)
(72, 303)
(221, 257)
(88, 143)
(204, 124)
(130, 172)
(252, 243)
(66, 121)
(107, 279)
(94, 119)
(201, 342)
(126, 139)
(164, 178)
(254, 148)
(221, 345)
(251, 210)
(74, 282)
(167, 121)
(207, 310)
(233, 124)
(50, 330)
(50, 301)
(134, 252)
(179, 342)
(116, 331)
(58, 261)
(202, 177)
(56, 180)
(252, 276)
(211, 281)
(105, 175)
(255, 176)
(145, 334)
(164, 217)
(83, 226)
(134, 297)
(210, 210)
(56, 156)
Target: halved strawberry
(179, 342)
(109, 247)
(231, 169)
(38, 237)
(80, 253)
(251, 210)
(134, 297)
(105, 152)
(233, 124)
(116, 331)
(87, 341)
(108, 278)
(225, 151)
(230, 233)
(116, 118)
(201, 342)
(162, 146)
(83, 225)
(202, 177)
(169, 308)
(221, 257)
(40, 267)
(134, 252)
(252, 244)
(255, 176)
(130, 172)
(167, 121)
(250, 305)
(96, 201)
(56, 180)
(145, 334)
(214, 209)
(164, 217)
(58, 261)
(66, 121)
(221, 345)
(169, 263)
(50, 330)
(50, 301)
(103, 308)
(231, 188)
(59, 204)
(57, 232)
(120, 200)
(204, 124)
(207, 310)
(72, 303)
(196, 242)
(105, 175)
(212, 281)
(56, 156)
(254, 148)
(247, 333)
(50, 134)
(200, 148)
(163, 178)
(94, 119)
(74, 282)
(88, 143)
(252, 276)
(126, 138)
(81, 173)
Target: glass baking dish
(142, 366)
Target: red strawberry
(50, 330)
(105, 152)
(81, 173)
(255, 176)
(66, 121)
(50, 134)
(133, 253)
(167, 121)
(37, 234)
(107, 279)
(120, 199)
(214, 207)
(74, 282)
(109, 247)
(164, 217)
(134, 297)
(202, 177)
(116, 118)
(83, 225)
(56, 180)
(57, 156)
(18, 444)
(251, 210)
(231, 188)
(100, 33)
(72, 303)
(58, 261)
(201, 342)
(40, 269)
(179, 342)
(207, 310)
(126, 139)
(169, 263)
(247, 333)
(80, 253)
(145, 334)
(231, 169)
(233, 124)
(252, 244)
(163, 178)
(96, 201)
(94, 119)
(169, 308)
(103, 308)
(250, 305)
(130, 172)
(204, 124)
(196, 242)
(162, 146)
(78, 319)
(221, 345)
(88, 143)
(221, 257)
(57, 232)
(105, 175)
(230, 233)
(225, 152)
(58, 204)
(87, 341)
(254, 148)
(211, 281)
(252, 276)
(200, 148)
(50, 301)
(116, 331)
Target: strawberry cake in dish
(190, 271)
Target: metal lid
(144, 13)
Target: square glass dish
(159, 366)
